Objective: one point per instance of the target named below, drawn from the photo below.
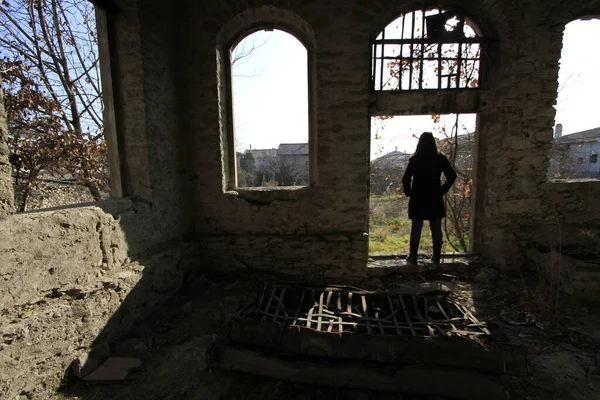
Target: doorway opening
(393, 140)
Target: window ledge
(575, 180)
(269, 194)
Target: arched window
(269, 82)
(427, 49)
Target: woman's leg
(436, 238)
(416, 227)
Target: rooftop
(590, 135)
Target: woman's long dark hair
(426, 148)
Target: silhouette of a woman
(422, 183)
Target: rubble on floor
(174, 341)
(394, 341)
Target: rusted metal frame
(412, 49)
(476, 321)
(432, 321)
(477, 40)
(422, 49)
(331, 320)
(459, 62)
(439, 53)
(468, 316)
(382, 54)
(401, 53)
(430, 58)
(439, 306)
(366, 313)
(394, 311)
(374, 65)
(408, 320)
(475, 60)
(275, 307)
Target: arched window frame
(418, 37)
(226, 42)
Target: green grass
(389, 227)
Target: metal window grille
(427, 49)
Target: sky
(270, 92)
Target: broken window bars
(466, 56)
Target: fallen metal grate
(349, 310)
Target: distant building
(288, 164)
(295, 157)
(264, 157)
(464, 151)
(387, 171)
(575, 156)
(393, 159)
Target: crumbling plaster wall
(75, 277)
(516, 204)
(293, 231)
(6, 188)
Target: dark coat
(422, 183)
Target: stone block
(114, 369)
(90, 361)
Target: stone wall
(73, 278)
(513, 200)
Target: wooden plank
(366, 311)
(422, 380)
(296, 315)
(408, 320)
(394, 311)
(420, 316)
(320, 311)
(378, 318)
(267, 310)
(311, 310)
(452, 351)
(329, 294)
(339, 307)
(280, 305)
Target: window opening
(427, 49)
(393, 140)
(54, 101)
(576, 141)
(270, 113)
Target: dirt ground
(563, 358)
